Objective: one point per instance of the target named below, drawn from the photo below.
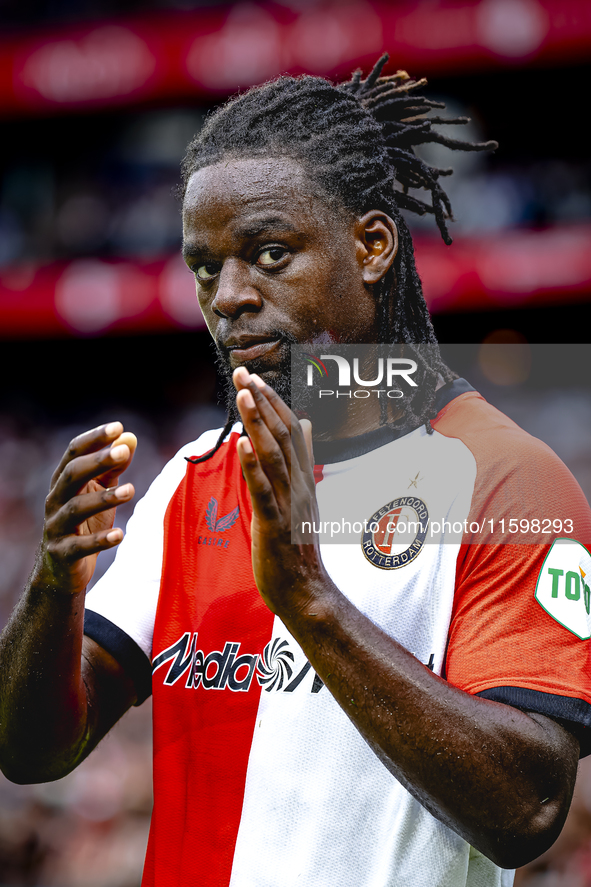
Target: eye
(271, 255)
(206, 272)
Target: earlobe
(377, 239)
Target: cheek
(205, 299)
(351, 309)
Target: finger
(74, 548)
(272, 409)
(306, 427)
(302, 447)
(88, 442)
(284, 425)
(256, 385)
(270, 438)
(85, 468)
(261, 491)
(299, 475)
(130, 440)
(240, 378)
(80, 508)
(277, 402)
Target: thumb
(127, 439)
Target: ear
(377, 245)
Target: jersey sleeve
(121, 608)
(521, 622)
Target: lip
(251, 350)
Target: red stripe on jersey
(318, 473)
(202, 731)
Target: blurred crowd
(71, 202)
(17, 14)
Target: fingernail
(112, 429)
(118, 454)
(246, 445)
(123, 491)
(115, 536)
(257, 380)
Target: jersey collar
(328, 452)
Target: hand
(80, 507)
(277, 463)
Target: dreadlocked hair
(356, 142)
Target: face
(274, 264)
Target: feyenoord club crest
(395, 534)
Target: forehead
(230, 194)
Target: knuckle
(274, 458)
(68, 474)
(75, 548)
(50, 527)
(70, 510)
(283, 436)
(54, 549)
(73, 448)
(267, 503)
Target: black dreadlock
(356, 141)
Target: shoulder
(174, 472)
(207, 442)
(204, 443)
(484, 428)
(517, 476)
(501, 448)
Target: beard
(287, 376)
(278, 377)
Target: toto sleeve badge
(563, 587)
(395, 534)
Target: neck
(348, 417)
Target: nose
(235, 292)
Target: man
(303, 730)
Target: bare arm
(500, 778)
(61, 692)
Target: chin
(275, 372)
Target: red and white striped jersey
(260, 779)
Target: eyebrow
(253, 228)
(260, 226)
(192, 250)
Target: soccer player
(354, 714)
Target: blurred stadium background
(98, 317)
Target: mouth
(247, 351)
